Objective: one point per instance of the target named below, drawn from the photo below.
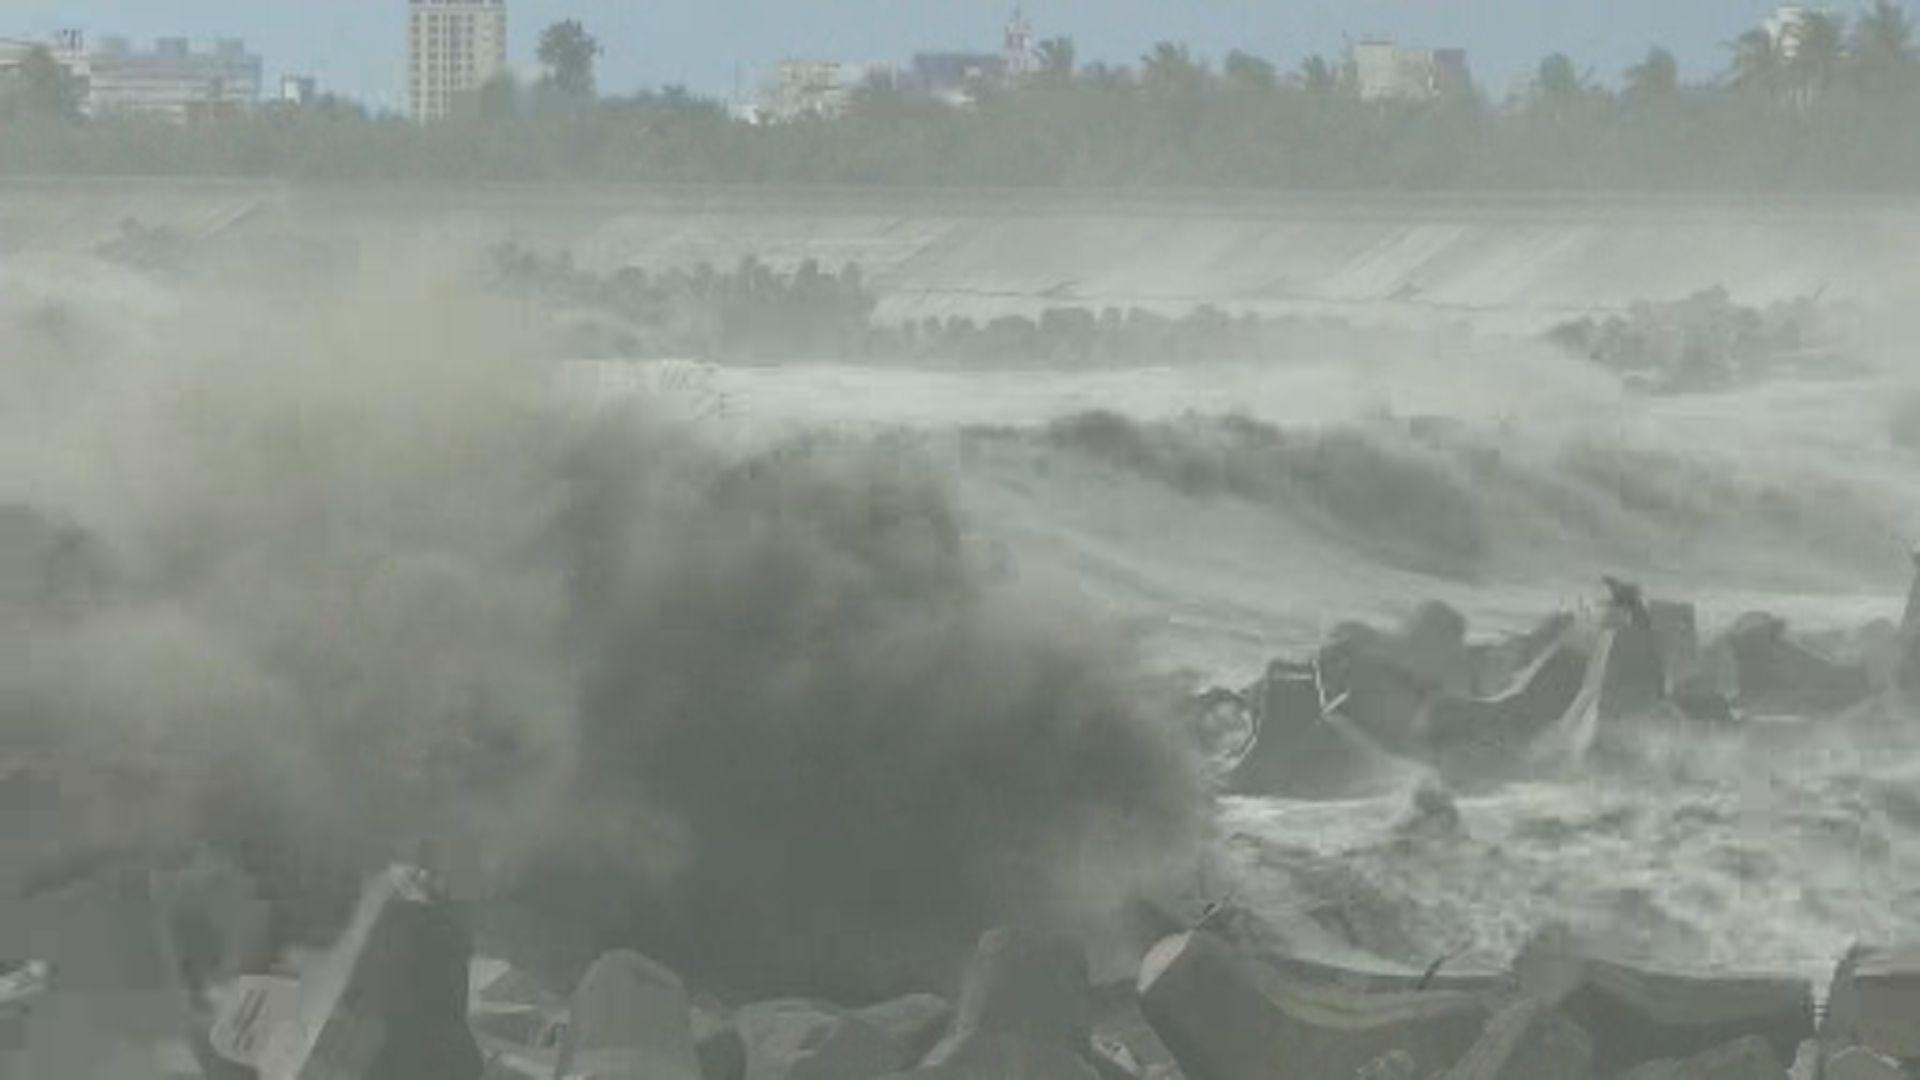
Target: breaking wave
(1440, 498)
(318, 581)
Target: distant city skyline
(358, 47)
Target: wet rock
(1486, 735)
(251, 1012)
(1024, 986)
(1525, 1041)
(1398, 1065)
(631, 1021)
(519, 1025)
(915, 1023)
(1207, 1005)
(1677, 627)
(22, 984)
(1497, 665)
(805, 1040)
(1875, 1002)
(995, 1057)
(1365, 683)
(1776, 675)
(717, 1042)
(1117, 1020)
(1112, 1060)
(495, 982)
(1296, 751)
(517, 1022)
(1859, 1063)
(1625, 677)
(108, 1001)
(1744, 1059)
(1635, 1015)
(1433, 813)
(1433, 646)
(389, 1002)
(217, 919)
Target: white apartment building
(453, 48)
(170, 80)
(802, 88)
(1384, 71)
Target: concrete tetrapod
(389, 1002)
(1635, 1015)
(631, 1021)
(1206, 1004)
(1875, 1002)
(806, 1040)
(1743, 1059)
(1025, 1013)
(108, 1001)
(915, 1022)
(1859, 1063)
(1528, 1040)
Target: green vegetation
(1834, 112)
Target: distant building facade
(172, 80)
(807, 88)
(953, 77)
(1384, 71)
(298, 89)
(453, 48)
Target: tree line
(1829, 107)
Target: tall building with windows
(453, 47)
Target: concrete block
(1637, 1015)
(1743, 1059)
(1860, 1063)
(915, 1022)
(631, 1020)
(1025, 986)
(717, 1042)
(804, 1040)
(1207, 1005)
(1875, 1002)
(1528, 1040)
(389, 1001)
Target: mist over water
(318, 581)
(797, 674)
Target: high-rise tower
(453, 47)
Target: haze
(1138, 541)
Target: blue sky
(355, 46)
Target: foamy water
(1697, 852)
(1700, 852)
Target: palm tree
(1317, 76)
(1057, 57)
(44, 88)
(1656, 77)
(1171, 68)
(1248, 72)
(568, 52)
(1757, 65)
(1819, 52)
(1558, 82)
(1882, 52)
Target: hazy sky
(356, 46)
